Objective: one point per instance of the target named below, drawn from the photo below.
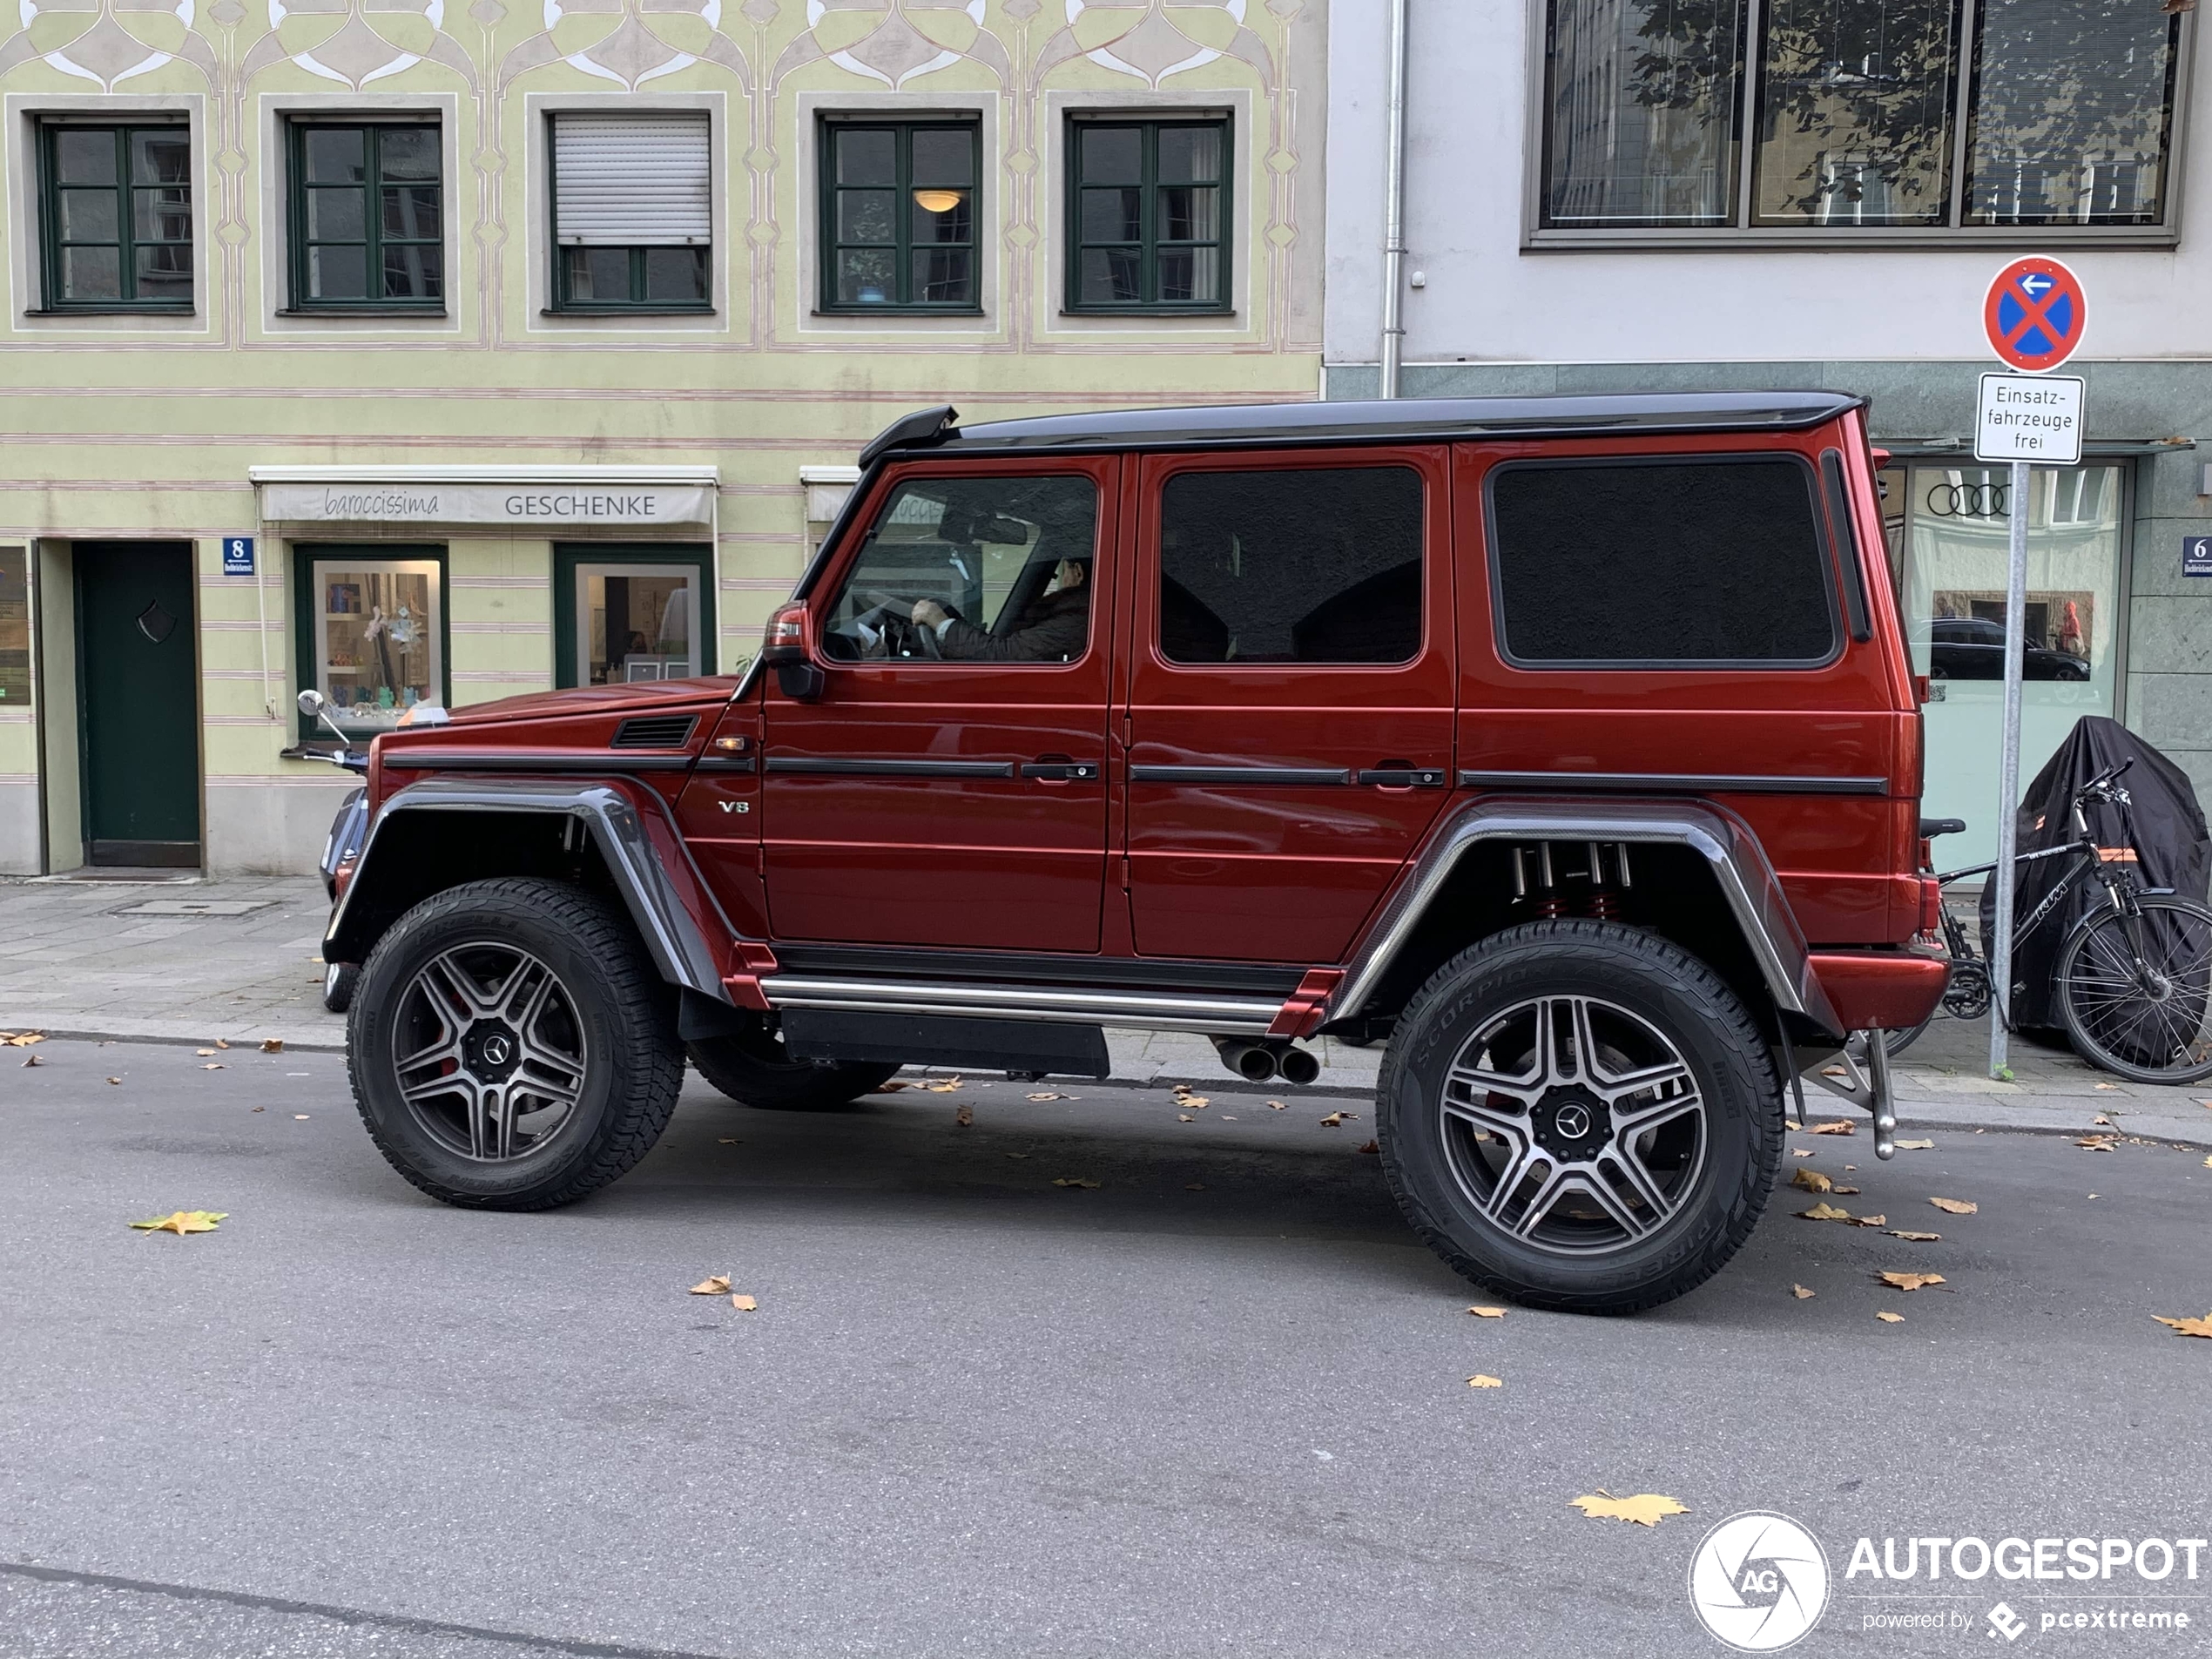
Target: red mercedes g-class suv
(1566, 745)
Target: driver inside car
(1052, 629)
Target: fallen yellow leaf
(728, 1140)
(271, 1045)
(1185, 1118)
(1955, 1206)
(718, 1285)
(1645, 1509)
(1825, 1212)
(2096, 1143)
(1917, 1238)
(203, 1053)
(1909, 1281)
(1023, 1156)
(1848, 1191)
(964, 1117)
(1045, 1094)
(1481, 1382)
(1916, 1146)
(890, 1088)
(1278, 1106)
(184, 1221)
(33, 1060)
(1890, 1318)
(1335, 1120)
(115, 1080)
(222, 1042)
(1481, 1311)
(1869, 1221)
(2188, 1327)
(1811, 1181)
(1196, 1102)
(24, 1038)
(1073, 1181)
(1804, 1152)
(1801, 1293)
(1841, 1126)
(949, 1086)
(212, 1065)
(744, 1304)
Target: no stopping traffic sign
(2034, 314)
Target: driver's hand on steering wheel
(928, 613)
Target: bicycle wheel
(2134, 990)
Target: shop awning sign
(2034, 314)
(535, 504)
(2029, 417)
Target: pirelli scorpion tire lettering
(1580, 1115)
(511, 1048)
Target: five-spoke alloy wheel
(1580, 1115)
(510, 1047)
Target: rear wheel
(752, 1069)
(2132, 990)
(510, 1048)
(1580, 1115)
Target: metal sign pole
(2009, 774)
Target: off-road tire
(634, 1065)
(752, 1070)
(1729, 1058)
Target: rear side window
(1615, 564)
(1316, 564)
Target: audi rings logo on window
(1970, 501)
(1759, 1582)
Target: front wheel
(1580, 1115)
(510, 1047)
(2132, 990)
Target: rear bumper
(1893, 989)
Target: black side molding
(1665, 783)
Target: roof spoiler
(922, 428)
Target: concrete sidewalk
(190, 961)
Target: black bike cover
(2163, 826)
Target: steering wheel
(893, 619)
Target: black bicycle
(2134, 978)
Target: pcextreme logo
(1759, 1582)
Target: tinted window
(972, 569)
(1693, 562)
(1315, 565)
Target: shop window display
(15, 628)
(638, 622)
(375, 630)
(1952, 525)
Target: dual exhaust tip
(1260, 1062)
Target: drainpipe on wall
(1393, 322)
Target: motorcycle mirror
(316, 706)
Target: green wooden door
(135, 651)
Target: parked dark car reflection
(1973, 648)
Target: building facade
(1655, 195)
(429, 355)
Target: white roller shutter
(630, 180)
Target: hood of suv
(586, 700)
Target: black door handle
(1060, 771)
(1394, 777)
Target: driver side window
(972, 569)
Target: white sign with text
(2029, 417)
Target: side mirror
(316, 706)
(789, 649)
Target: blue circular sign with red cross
(2034, 314)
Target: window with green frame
(367, 213)
(631, 612)
(1148, 215)
(116, 216)
(632, 217)
(370, 621)
(897, 214)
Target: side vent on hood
(654, 731)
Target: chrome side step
(1230, 1016)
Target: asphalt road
(1217, 1405)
